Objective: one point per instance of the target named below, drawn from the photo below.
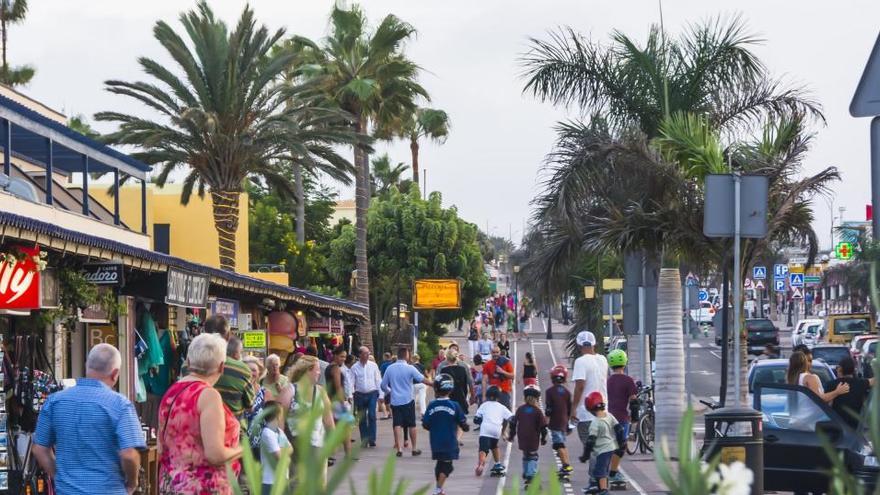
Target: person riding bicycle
(622, 392)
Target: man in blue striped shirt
(95, 432)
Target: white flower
(735, 479)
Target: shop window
(162, 238)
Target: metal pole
(549, 321)
(687, 345)
(643, 353)
(875, 179)
(416, 332)
(737, 289)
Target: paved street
(419, 471)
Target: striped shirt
(88, 425)
(235, 386)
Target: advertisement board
(186, 289)
(437, 294)
(20, 280)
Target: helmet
(595, 401)
(443, 382)
(492, 393)
(532, 391)
(617, 358)
(559, 374)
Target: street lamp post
(516, 299)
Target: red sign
(20, 281)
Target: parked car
(768, 371)
(857, 345)
(831, 354)
(759, 333)
(843, 328)
(795, 424)
(704, 314)
(803, 330)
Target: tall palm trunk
(669, 383)
(300, 204)
(362, 205)
(225, 208)
(3, 26)
(414, 149)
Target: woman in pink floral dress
(198, 434)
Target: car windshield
(760, 326)
(852, 325)
(831, 355)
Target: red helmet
(559, 373)
(595, 401)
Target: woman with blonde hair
(306, 395)
(198, 434)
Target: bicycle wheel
(632, 440)
(646, 431)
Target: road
(419, 471)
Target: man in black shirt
(849, 405)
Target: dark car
(830, 353)
(795, 421)
(760, 332)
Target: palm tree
(368, 75)
(422, 123)
(228, 118)
(608, 186)
(670, 357)
(12, 12)
(385, 176)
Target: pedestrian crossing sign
(796, 280)
(759, 272)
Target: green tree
(367, 74)
(79, 124)
(419, 124)
(12, 12)
(228, 118)
(385, 176)
(413, 238)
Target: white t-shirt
(593, 369)
(494, 415)
(271, 442)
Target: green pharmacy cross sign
(844, 250)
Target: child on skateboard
(491, 418)
(442, 419)
(529, 427)
(557, 407)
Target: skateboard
(618, 485)
(563, 476)
(495, 473)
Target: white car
(704, 314)
(808, 331)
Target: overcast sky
(490, 164)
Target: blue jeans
(530, 464)
(365, 406)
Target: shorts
(530, 381)
(504, 399)
(404, 416)
(488, 443)
(583, 429)
(557, 436)
(602, 467)
(443, 467)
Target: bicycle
(641, 435)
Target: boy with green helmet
(621, 390)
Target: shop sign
(186, 289)
(244, 323)
(254, 339)
(104, 273)
(102, 334)
(20, 281)
(437, 294)
(227, 309)
(324, 325)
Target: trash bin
(734, 434)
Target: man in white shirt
(366, 378)
(590, 375)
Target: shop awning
(14, 226)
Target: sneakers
(617, 478)
(498, 468)
(566, 469)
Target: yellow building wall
(192, 233)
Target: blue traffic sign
(779, 285)
(796, 280)
(704, 295)
(759, 272)
(780, 271)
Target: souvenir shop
(59, 299)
